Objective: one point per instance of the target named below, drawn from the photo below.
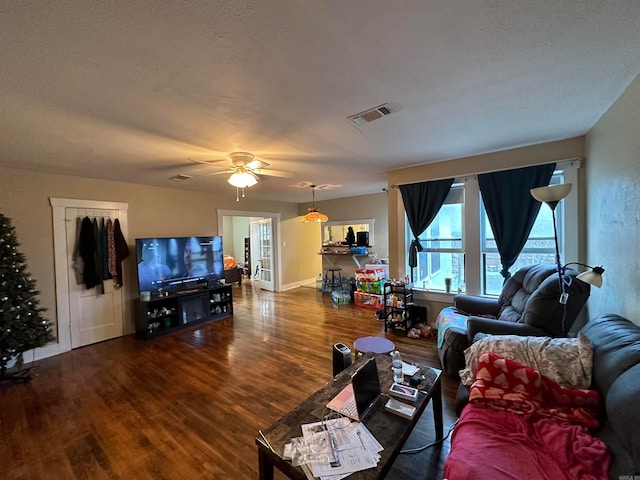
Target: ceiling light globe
(242, 179)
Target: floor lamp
(551, 195)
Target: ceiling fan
(245, 169)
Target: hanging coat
(87, 247)
(122, 252)
(104, 239)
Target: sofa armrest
(491, 326)
(477, 305)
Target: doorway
(83, 316)
(262, 229)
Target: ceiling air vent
(180, 177)
(371, 115)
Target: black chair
(529, 305)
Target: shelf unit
(343, 251)
(247, 256)
(165, 314)
(397, 314)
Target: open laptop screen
(366, 388)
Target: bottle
(396, 361)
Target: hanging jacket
(122, 252)
(87, 247)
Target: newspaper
(353, 448)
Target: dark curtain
(422, 202)
(511, 209)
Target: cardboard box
(371, 286)
(369, 300)
(341, 297)
(370, 274)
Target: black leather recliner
(528, 305)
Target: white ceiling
(130, 91)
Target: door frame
(62, 265)
(275, 219)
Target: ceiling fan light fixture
(313, 215)
(242, 178)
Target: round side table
(373, 344)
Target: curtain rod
(569, 162)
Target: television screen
(171, 263)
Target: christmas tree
(22, 326)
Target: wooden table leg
(264, 465)
(436, 400)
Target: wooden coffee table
(390, 430)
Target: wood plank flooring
(189, 405)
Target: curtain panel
(511, 209)
(422, 202)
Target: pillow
(567, 361)
(230, 262)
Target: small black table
(390, 430)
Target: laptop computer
(361, 395)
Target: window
(461, 230)
(443, 254)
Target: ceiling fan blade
(210, 163)
(273, 173)
(221, 172)
(256, 164)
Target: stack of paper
(408, 369)
(352, 448)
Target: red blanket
(503, 384)
(521, 424)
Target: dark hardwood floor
(189, 405)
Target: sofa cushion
(568, 361)
(516, 292)
(623, 413)
(616, 375)
(616, 345)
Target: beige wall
(612, 206)
(349, 208)
(153, 211)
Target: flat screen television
(166, 264)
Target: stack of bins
(370, 288)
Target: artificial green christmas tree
(22, 326)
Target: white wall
(613, 206)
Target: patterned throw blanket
(522, 425)
(447, 318)
(503, 384)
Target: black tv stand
(182, 309)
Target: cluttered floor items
(421, 331)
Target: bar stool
(334, 282)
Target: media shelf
(165, 314)
(398, 300)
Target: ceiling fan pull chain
(237, 198)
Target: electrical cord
(429, 445)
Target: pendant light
(313, 215)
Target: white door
(94, 316)
(262, 251)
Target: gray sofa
(616, 375)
